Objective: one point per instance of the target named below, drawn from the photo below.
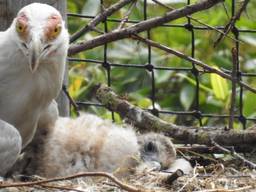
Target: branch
(174, 176)
(62, 188)
(126, 17)
(84, 174)
(145, 121)
(236, 155)
(230, 26)
(191, 59)
(142, 26)
(233, 92)
(196, 20)
(99, 18)
(240, 189)
(213, 149)
(72, 102)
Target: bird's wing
(10, 146)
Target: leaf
(249, 39)
(91, 7)
(72, 7)
(75, 85)
(219, 86)
(193, 82)
(187, 96)
(249, 104)
(144, 103)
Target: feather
(28, 86)
(89, 143)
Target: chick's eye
(150, 147)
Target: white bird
(32, 63)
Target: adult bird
(32, 63)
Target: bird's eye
(150, 147)
(56, 31)
(20, 28)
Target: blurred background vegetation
(175, 90)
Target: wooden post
(9, 9)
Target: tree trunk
(9, 9)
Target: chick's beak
(35, 49)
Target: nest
(211, 178)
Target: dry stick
(126, 17)
(195, 61)
(60, 187)
(99, 18)
(145, 121)
(226, 176)
(233, 93)
(213, 149)
(202, 156)
(227, 190)
(142, 26)
(72, 102)
(232, 22)
(233, 153)
(83, 174)
(196, 20)
(174, 176)
(187, 182)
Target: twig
(99, 18)
(196, 20)
(187, 182)
(72, 102)
(213, 149)
(60, 187)
(174, 176)
(227, 190)
(126, 17)
(195, 61)
(233, 91)
(202, 156)
(145, 121)
(83, 174)
(226, 176)
(142, 26)
(232, 22)
(110, 184)
(233, 153)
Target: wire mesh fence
(195, 114)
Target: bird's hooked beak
(35, 49)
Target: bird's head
(40, 33)
(157, 149)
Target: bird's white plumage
(10, 145)
(181, 164)
(89, 143)
(26, 94)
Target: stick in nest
(174, 176)
(83, 174)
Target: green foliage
(174, 90)
(219, 86)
